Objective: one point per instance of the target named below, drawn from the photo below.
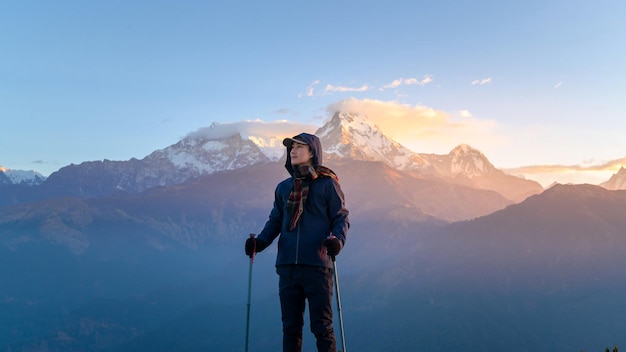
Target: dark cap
(288, 142)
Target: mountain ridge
(205, 152)
(352, 136)
(233, 201)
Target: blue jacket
(324, 214)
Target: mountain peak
(267, 136)
(206, 153)
(464, 149)
(470, 161)
(462, 160)
(355, 137)
(617, 181)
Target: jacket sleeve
(338, 214)
(273, 225)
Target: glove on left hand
(333, 246)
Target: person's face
(301, 155)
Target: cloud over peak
(256, 128)
(481, 82)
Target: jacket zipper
(297, 244)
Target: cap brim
(288, 142)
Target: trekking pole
(249, 291)
(343, 338)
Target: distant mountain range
(344, 137)
(444, 253)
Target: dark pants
(299, 283)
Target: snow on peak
(469, 161)
(220, 147)
(23, 177)
(349, 135)
(268, 136)
(200, 155)
(462, 149)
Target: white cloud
(267, 135)
(577, 174)
(481, 81)
(332, 88)
(261, 129)
(465, 113)
(408, 82)
(310, 90)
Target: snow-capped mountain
(20, 177)
(229, 147)
(268, 137)
(468, 166)
(352, 136)
(193, 156)
(617, 181)
(223, 147)
(462, 160)
(197, 155)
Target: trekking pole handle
(252, 236)
(330, 237)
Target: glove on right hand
(254, 245)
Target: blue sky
(527, 83)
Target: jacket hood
(313, 142)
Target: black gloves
(254, 245)
(333, 246)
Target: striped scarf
(303, 175)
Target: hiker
(309, 214)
